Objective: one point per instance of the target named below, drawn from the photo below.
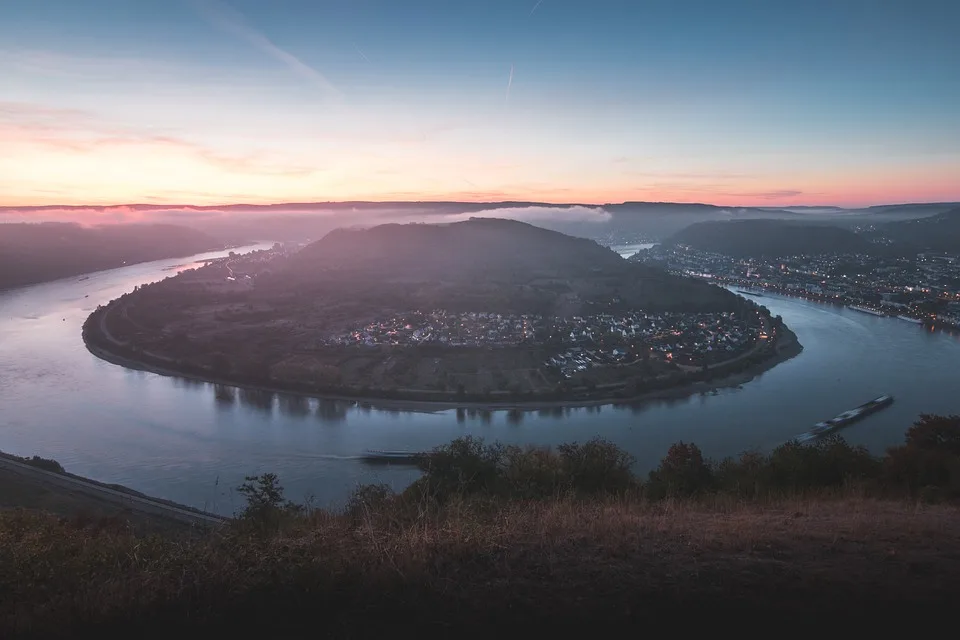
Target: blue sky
(734, 102)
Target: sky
(740, 102)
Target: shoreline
(788, 346)
(29, 485)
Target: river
(186, 442)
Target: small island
(485, 312)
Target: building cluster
(686, 339)
(579, 342)
(442, 328)
(925, 287)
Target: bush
(829, 462)
(266, 508)
(936, 433)
(47, 464)
(928, 464)
(533, 473)
(467, 467)
(367, 499)
(597, 467)
(464, 467)
(683, 472)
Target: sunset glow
(210, 102)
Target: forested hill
(936, 233)
(32, 253)
(769, 238)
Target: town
(922, 289)
(578, 343)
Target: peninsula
(484, 311)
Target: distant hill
(479, 264)
(613, 222)
(935, 233)
(479, 246)
(756, 238)
(31, 253)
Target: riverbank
(787, 346)
(43, 485)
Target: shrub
(683, 472)
(464, 467)
(826, 463)
(936, 433)
(533, 472)
(928, 464)
(47, 464)
(597, 467)
(369, 498)
(266, 506)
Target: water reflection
(332, 411)
(294, 406)
(257, 399)
(225, 396)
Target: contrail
(509, 84)
(223, 16)
(362, 54)
(535, 7)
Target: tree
(936, 433)
(683, 472)
(266, 505)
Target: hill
(497, 265)
(478, 247)
(940, 232)
(31, 253)
(769, 238)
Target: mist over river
(189, 442)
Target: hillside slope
(31, 253)
(489, 246)
(936, 233)
(484, 264)
(769, 238)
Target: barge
(379, 456)
(845, 419)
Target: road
(41, 482)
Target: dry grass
(549, 565)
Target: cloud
(231, 21)
(76, 131)
(536, 215)
(768, 195)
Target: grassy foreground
(495, 539)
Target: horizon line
(199, 207)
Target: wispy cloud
(509, 84)
(776, 194)
(231, 21)
(78, 131)
(535, 7)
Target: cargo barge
(378, 456)
(750, 293)
(845, 419)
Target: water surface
(192, 443)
